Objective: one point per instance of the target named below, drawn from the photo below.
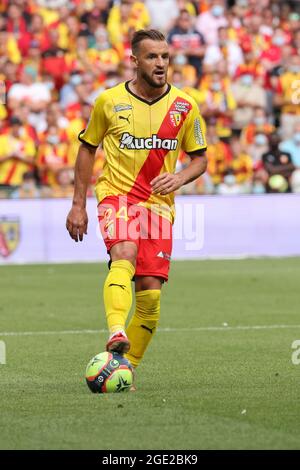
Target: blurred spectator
(278, 164)
(272, 56)
(292, 145)
(10, 71)
(217, 101)
(55, 117)
(258, 147)
(9, 48)
(28, 90)
(219, 157)
(254, 39)
(293, 24)
(102, 55)
(229, 184)
(23, 113)
(249, 94)
(241, 165)
(76, 123)
(124, 17)
(209, 22)
(68, 93)
(259, 123)
(268, 22)
(295, 181)
(162, 14)
(52, 156)
(237, 178)
(251, 65)
(17, 24)
(33, 59)
(239, 60)
(54, 59)
(186, 42)
(64, 187)
(86, 88)
(101, 7)
(28, 189)
(38, 33)
(17, 152)
(296, 41)
(226, 49)
(288, 94)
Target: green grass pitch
(198, 387)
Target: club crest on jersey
(175, 117)
(122, 107)
(9, 235)
(140, 143)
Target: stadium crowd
(240, 61)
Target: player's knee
(126, 251)
(143, 283)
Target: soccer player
(142, 124)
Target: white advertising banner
(33, 231)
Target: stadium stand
(240, 61)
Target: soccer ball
(109, 372)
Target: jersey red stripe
(10, 173)
(141, 190)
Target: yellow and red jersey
(242, 166)
(107, 56)
(11, 168)
(142, 139)
(288, 88)
(219, 158)
(51, 158)
(248, 133)
(117, 28)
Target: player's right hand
(77, 222)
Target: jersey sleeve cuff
(198, 152)
(86, 141)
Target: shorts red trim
(123, 221)
(156, 274)
(115, 242)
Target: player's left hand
(166, 183)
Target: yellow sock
(117, 294)
(143, 324)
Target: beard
(151, 82)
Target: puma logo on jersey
(140, 143)
(125, 118)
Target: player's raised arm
(77, 219)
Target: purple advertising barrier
(39, 227)
(241, 226)
(22, 232)
(33, 231)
